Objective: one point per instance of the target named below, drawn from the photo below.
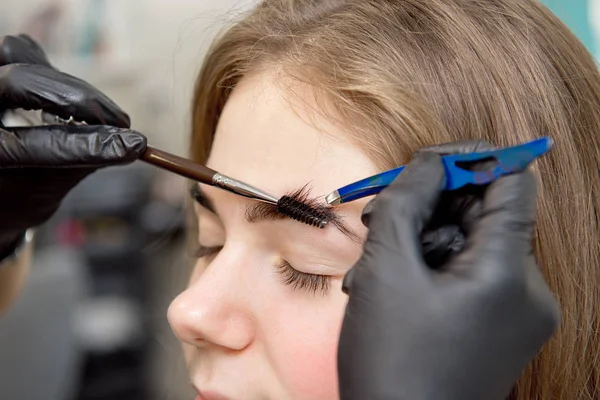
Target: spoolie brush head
(298, 207)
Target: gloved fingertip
(127, 145)
(132, 144)
(462, 146)
(28, 38)
(347, 281)
(22, 49)
(518, 192)
(365, 217)
(135, 142)
(422, 151)
(424, 156)
(424, 165)
(411, 199)
(124, 121)
(425, 168)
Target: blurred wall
(577, 15)
(143, 53)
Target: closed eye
(312, 283)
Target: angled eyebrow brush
(185, 167)
(197, 172)
(292, 207)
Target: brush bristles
(301, 212)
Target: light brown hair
(402, 74)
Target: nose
(213, 310)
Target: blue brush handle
(508, 161)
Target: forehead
(271, 135)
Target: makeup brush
(197, 172)
(296, 209)
(286, 205)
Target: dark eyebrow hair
(268, 212)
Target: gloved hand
(40, 165)
(463, 330)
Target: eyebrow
(268, 212)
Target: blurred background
(91, 323)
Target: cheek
(307, 349)
(312, 372)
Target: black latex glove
(464, 330)
(40, 165)
(456, 211)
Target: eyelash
(311, 283)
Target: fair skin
(246, 333)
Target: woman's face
(261, 317)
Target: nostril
(212, 313)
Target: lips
(209, 395)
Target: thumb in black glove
(22, 49)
